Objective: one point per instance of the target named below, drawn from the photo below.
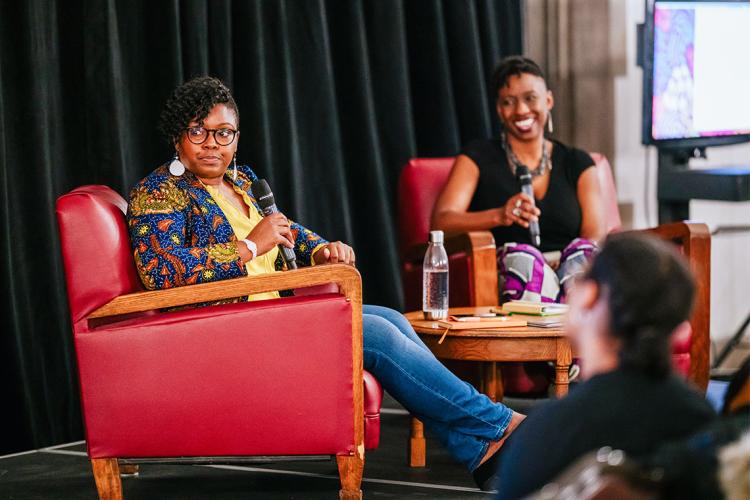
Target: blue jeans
(463, 419)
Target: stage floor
(63, 471)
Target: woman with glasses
(194, 220)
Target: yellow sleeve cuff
(312, 254)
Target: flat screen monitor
(696, 73)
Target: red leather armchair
(220, 382)
(473, 265)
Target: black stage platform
(63, 472)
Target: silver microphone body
(524, 180)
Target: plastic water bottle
(435, 279)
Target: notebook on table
(465, 323)
(531, 308)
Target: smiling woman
(482, 191)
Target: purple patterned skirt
(523, 273)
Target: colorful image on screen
(701, 75)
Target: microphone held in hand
(523, 176)
(264, 197)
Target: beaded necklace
(514, 162)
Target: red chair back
(96, 249)
(420, 183)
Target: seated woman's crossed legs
(467, 422)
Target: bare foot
(515, 420)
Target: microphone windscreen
(262, 193)
(523, 175)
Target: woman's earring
(176, 168)
(550, 127)
(234, 167)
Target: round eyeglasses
(222, 136)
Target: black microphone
(264, 197)
(523, 176)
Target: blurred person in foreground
(713, 463)
(624, 309)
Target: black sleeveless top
(560, 222)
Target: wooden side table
(489, 346)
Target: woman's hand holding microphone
(272, 230)
(519, 209)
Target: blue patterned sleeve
(165, 246)
(305, 243)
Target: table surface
(429, 327)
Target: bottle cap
(436, 236)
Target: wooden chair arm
(695, 241)
(682, 231)
(346, 277)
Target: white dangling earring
(550, 127)
(234, 167)
(176, 167)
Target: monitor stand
(677, 184)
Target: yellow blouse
(242, 224)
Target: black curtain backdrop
(334, 97)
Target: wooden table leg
(417, 444)
(561, 380)
(491, 382)
(562, 367)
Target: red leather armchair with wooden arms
(471, 255)
(473, 265)
(228, 382)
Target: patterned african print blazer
(180, 236)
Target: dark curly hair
(650, 291)
(513, 66)
(193, 100)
